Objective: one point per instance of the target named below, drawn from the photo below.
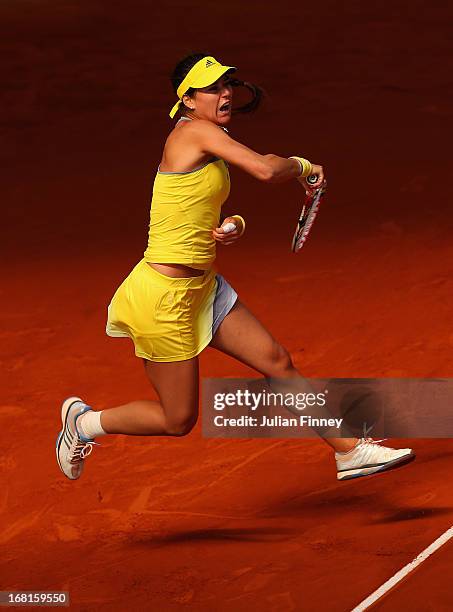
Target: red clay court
(193, 523)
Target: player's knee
(282, 364)
(180, 426)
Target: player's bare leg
(242, 336)
(176, 383)
(175, 415)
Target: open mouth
(225, 108)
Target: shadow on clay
(257, 534)
(411, 514)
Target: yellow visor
(205, 72)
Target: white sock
(89, 424)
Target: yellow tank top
(185, 208)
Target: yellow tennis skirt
(169, 319)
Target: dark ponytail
(257, 96)
(187, 63)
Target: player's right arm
(269, 168)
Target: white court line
(371, 599)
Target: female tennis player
(173, 304)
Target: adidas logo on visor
(209, 63)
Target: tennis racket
(308, 214)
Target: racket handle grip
(312, 179)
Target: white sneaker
(72, 446)
(369, 457)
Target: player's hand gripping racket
(308, 214)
